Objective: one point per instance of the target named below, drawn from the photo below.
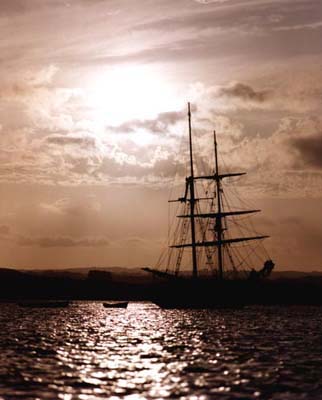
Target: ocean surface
(89, 352)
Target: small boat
(119, 304)
(44, 304)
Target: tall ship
(211, 257)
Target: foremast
(191, 183)
(218, 224)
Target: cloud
(226, 16)
(69, 140)
(159, 170)
(210, 1)
(4, 230)
(27, 83)
(313, 25)
(194, 32)
(55, 241)
(290, 90)
(44, 76)
(13, 7)
(278, 163)
(134, 242)
(310, 149)
(159, 124)
(66, 207)
(145, 151)
(63, 241)
(245, 93)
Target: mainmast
(190, 181)
(218, 224)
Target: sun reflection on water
(88, 352)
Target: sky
(93, 123)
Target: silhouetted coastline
(290, 287)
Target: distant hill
(9, 273)
(116, 283)
(82, 272)
(295, 274)
(125, 273)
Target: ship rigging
(205, 229)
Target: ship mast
(218, 224)
(190, 181)
(219, 241)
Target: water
(88, 352)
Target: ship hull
(236, 294)
(203, 294)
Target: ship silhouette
(202, 232)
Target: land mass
(293, 287)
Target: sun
(130, 92)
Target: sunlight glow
(126, 93)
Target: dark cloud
(81, 165)
(12, 7)
(65, 140)
(245, 92)
(4, 230)
(158, 125)
(63, 241)
(168, 168)
(310, 149)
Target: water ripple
(88, 352)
